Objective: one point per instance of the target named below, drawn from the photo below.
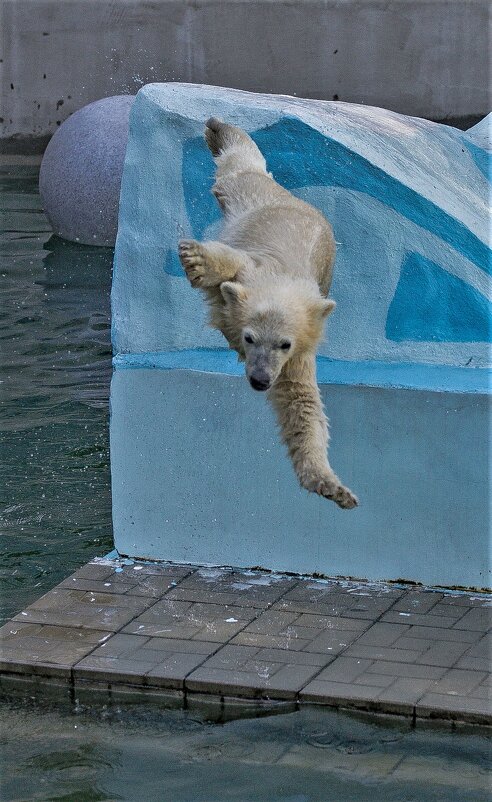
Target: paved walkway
(122, 630)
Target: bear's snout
(259, 382)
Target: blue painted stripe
(438, 378)
(432, 305)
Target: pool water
(56, 515)
(309, 756)
(55, 373)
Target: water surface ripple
(55, 373)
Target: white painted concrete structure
(420, 57)
(198, 472)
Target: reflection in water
(56, 362)
(175, 757)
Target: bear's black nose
(259, 384)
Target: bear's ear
(324, 307)
(233, 292)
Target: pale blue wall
(199, 476)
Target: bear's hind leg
(221, 136)
(208, 264)
(233, 149)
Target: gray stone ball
(81, 171)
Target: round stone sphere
(80, 174)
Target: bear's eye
(285, 345)
(248, 339)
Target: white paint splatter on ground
(211, 574)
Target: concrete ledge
(120, 632)
(398, 375)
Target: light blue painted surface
(199, 476)
(198, 472)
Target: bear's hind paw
(213, 135)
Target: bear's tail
(225, 141)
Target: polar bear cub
(266, 282)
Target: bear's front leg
(208, 264)
(296, 399)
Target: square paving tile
(433, 633)
(340, 599)
(223, 586)
(34, 648)
(258, 678)
(480, 618)
(381, 634)
(414, 670)
(458, 682)
(287, 642)
(418, 601)
(405, 690)
(183, 619)
(465, 708)
(482, 691)
(344, 669)
(421, 619)
(443, 653)
(95, 570)
(142, 660)
(383, 653)
(339, 693)
(80, 608)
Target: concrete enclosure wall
(199, 475)
(421, 57)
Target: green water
(55, 372)
(56, 515)
(309, 756)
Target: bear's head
(272, 325)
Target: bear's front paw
(193, 260)
(328, 485)
(338, 493)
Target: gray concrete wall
(422, 57)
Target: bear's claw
(192, 259)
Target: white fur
(266, 280)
